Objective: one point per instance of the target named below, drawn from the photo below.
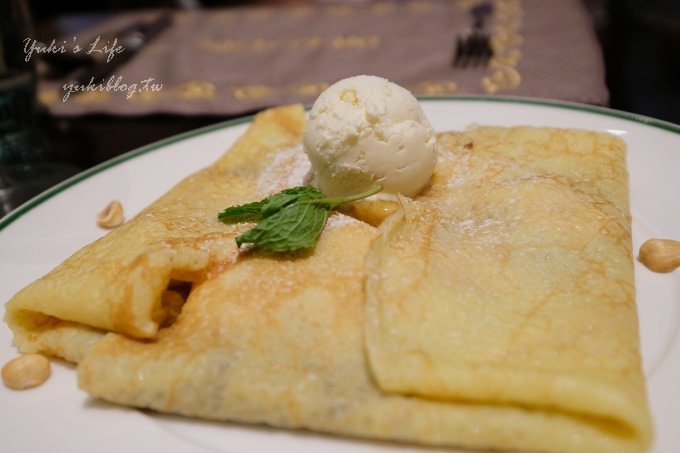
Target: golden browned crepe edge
(41, 324)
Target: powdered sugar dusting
(461, 165)
(471, 226)
(338, 219)
(290, 167)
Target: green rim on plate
(49, 193)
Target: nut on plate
(26, 371)
(111, 216)
(660, 255)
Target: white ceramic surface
(58, 417)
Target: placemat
(241, 59)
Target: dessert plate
(38, 235)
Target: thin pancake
(281, 339)
(116, 284)
(511, 281)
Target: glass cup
(18, 143)
(25, 167)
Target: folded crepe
(495, 311)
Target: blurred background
(82, 82)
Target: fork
(474, 48)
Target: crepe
(519, 260)
(117, 283)
(375, 333)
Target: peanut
(26, 371)
(111, 216)
(660, 255)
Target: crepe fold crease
(496, 310)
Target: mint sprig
(288, 220)
(252, 212)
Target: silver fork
(474, 48)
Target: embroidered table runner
(237, 60)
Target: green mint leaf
(287, 197)
(264, 208)
(288, 220)
(242, 213)
(294, 227)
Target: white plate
(37, 236)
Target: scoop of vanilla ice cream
(364, 131)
